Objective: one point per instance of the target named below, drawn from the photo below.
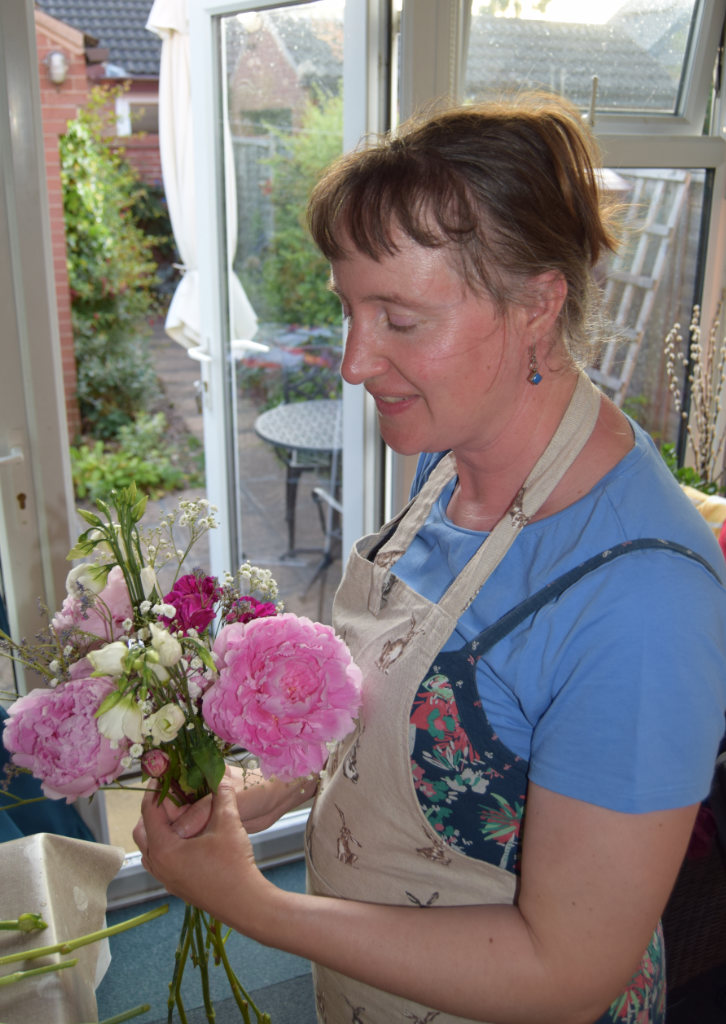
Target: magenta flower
(101, 614)
(54, 733)
(194, 597)
(245, 609)
(287, 687)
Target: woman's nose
(362, 357)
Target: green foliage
(293, 287)
(141, 456)
(687, 474)
(111, 270)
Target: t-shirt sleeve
(635, 662)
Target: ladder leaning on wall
(655, 206)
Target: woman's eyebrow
(392, 297)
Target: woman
(463, 252)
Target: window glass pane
(635, 49)
(285, 107)
(649, 285)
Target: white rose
(108, 660)
(86, 579)
(122, 721)
(164, 725)
(166, 646)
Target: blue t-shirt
(615, 693)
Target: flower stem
(10, 979)
(25, 923)
(85, 940)
(19, 801)
(119, 1018)
(180, 959)
(203, 965)
(241, 996)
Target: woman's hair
(509, 188)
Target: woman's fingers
(193, 818)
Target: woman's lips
(391, 405)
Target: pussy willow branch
(705, 364)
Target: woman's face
(444, 368)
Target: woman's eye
(399, 324)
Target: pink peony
(194, 597)
(245, 609)
(286, 687)
(101, 614)
(54, 733)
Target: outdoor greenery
(141, 456)
(292, 283)
(117, 236)
(111, 270)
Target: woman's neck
(489, 480)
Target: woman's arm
(594, 883)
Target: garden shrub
(111, 271)
(290, 284)
(141, 455)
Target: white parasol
(169, 19)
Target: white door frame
(36, 492)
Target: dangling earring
(534, 376)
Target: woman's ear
(546, 294)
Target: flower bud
(154, 763)
(148, 579)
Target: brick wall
(59, 105)
(142, 152)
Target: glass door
(281, 93)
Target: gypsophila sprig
(174, 683)
(704, 361)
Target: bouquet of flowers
(175, 683)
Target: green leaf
(139, 508)
(191, 778)
(203, 652)
(109, 702)
(209, 760)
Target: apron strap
(570, 437)
(566, 444)
(551, 591)
(466, 693)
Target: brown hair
(510, 188)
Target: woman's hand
(201, 869)
(260, 802)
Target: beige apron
(367, 836)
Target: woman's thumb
(224, 803)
